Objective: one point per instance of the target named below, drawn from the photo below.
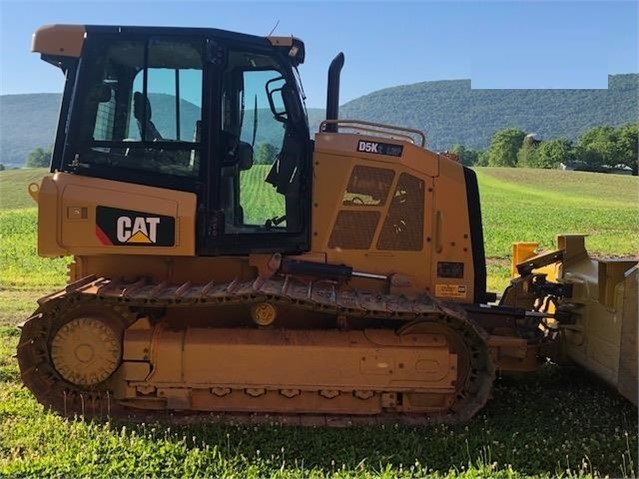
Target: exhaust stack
(332, 91)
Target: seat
(142, 113)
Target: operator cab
(214, 113)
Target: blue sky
(513, 44)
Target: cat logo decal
(117, 227)
(137, 229)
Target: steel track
(123, 299)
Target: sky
(506, 44)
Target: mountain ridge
(449, 111)
(479, 113)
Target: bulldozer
(227, 264)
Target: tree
(2, 167)
(467, 156)
(628, 145)
(482, 159)
(549, 154)
(266, 154)
(504, 146)
(39, 158)
(598, 147)
(527, 152)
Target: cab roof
(68, 40)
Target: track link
(119, 301)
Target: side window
(141, 106)
(260, 176)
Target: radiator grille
(354, 229)
(403, 228)
(368, 186)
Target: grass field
(560, 422)
(537, 205)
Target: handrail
(390, 131)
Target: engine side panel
(401, 212)
(93, 216)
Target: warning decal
(451, 290)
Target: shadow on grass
(558, 419)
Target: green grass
(260, 200)
(536, 205)
(13, 187)
(557, 423)
(577, 185)
(21, 266)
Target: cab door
(258, 178)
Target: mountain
(448, 111)
(451, 112)
(26, 122)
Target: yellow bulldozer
(224, 262)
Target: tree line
(598, 149)
(41, 157)
(38, 158)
